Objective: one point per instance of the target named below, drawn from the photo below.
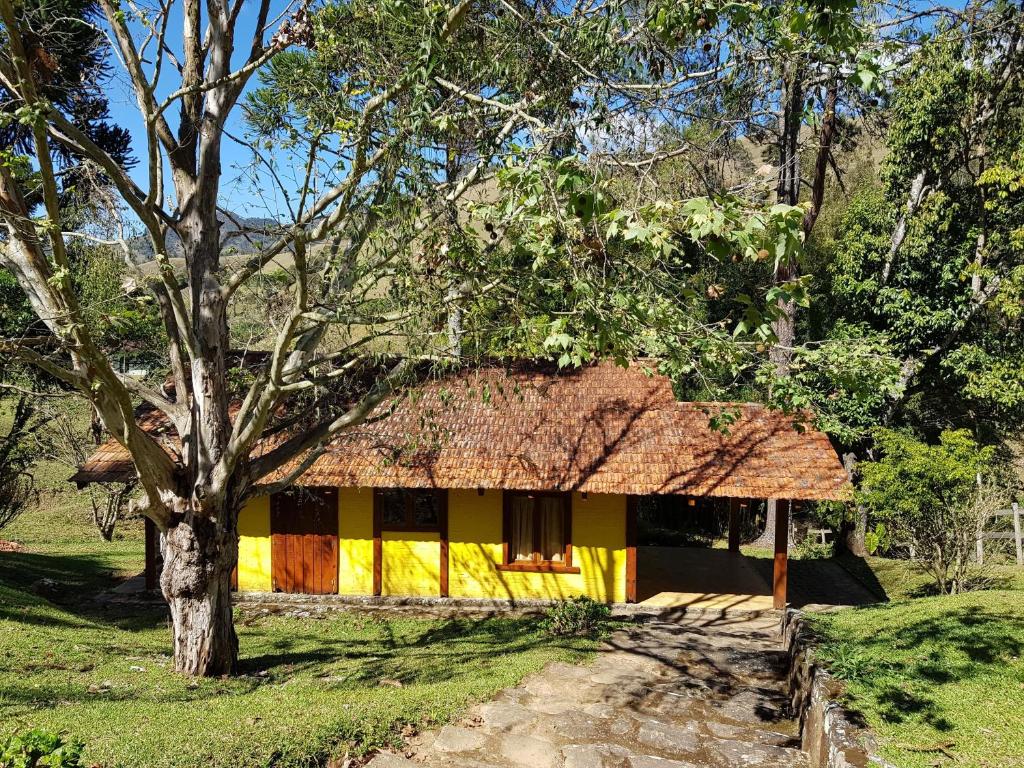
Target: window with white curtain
(538, 528)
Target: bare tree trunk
(855, 537)
(201, 551)
(899, 234)
(787, 191)
(767, 539)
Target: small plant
(577, 616)
(812, 549)
(848, 663)
(877, 540)
(38, 748)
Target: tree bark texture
(787, 191)
(200, 552)
(899, 233)
(767, 539)
(856, 535)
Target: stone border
(466, 606)
(827, 733)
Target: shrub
(812, 549)
(577, 616)
(38, 748)
(932, 500)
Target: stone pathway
(664, 694)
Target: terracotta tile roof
(600, 429)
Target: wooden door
(304, 541)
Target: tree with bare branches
(430, 200)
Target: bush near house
(580, 616)
(930, 501)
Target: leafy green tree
(932, 260)
(352, 113)
(930, 499)
(924, 264)
(67, 56)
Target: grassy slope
(310, 686)
(936, 672)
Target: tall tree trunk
(899, 233)
(767, 538)
(787, 191)
(201, 551)
(856, 535)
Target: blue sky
(238, 192)
(237, 195)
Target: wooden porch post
(781, 554)
(378, 546)
(631, 549)
(443, 521)
(734, 524)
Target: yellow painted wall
(598, 549)
(355, 541)
(254, 546)
(411, 563)
(412, 560)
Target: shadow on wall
(698, 570)
(710, 574)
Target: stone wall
(827, 732)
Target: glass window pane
(552, 527)
(425, 509)
(392, 506)
(522, 528)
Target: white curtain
(552, 528)
(522, 528)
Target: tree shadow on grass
(70, 583)
(976, 582)
(908, 663)
(438, 653)
(74, 573)
(365, 657)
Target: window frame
(409, 525)
(536, 565)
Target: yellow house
(518, 484)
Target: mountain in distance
(241, 234)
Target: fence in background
(1015, 534)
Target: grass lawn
(310, 688)
(903, 580)
(935, 677)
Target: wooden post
(442, 514)
(378, 547)
(734, 524)
(631, 504)
(1017, 533)
(781, 554)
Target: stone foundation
(828, 734)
